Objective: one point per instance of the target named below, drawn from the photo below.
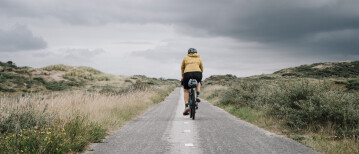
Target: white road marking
(183, 132)
(188, 145)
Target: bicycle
(192, 83)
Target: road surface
(163, 129)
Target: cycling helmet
(192, 50)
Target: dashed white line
(188, 145)
(183, 133)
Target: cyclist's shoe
(198, 99)
(186, 110)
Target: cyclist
(191, 68)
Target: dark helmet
(192, 50)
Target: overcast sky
(151, 37)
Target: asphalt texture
(163, 129)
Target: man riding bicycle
(191, 68)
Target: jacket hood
(193, 55)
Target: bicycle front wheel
(193, 107)
(193, 112)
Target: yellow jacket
(192, 63)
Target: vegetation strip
(62, 109)
(317, 112)
(62, 125)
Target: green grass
(62, 85)
(59, 67)
(245, 113)
(339, 69)
(26, 127)
(295, 107)
(72, 137)
(46, 122)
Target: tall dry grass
(76, 117)
(97, 107)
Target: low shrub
(301, 105)
(72, 137)
(56, 86)
(291, 74)
(25, 129)
(62, 85)
(353, 85)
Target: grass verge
(66, 122)
(316, 114)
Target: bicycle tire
(193, 110)
(193, 106)
(190, 113)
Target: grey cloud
(134, 42)
(80, 53)
(286, 32)
(19, 39)
(70, 53)
(294, 25)
(70, 56)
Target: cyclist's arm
(182, 67)
(201, 65)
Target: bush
(291, 74)
(243, 94)
(353, 85)
(62, 85)
(27, 118)
(72, 137)
(56, 86)
(26, 130)
(300, 104)
(108, 89)
(312, 106)
(266, 78)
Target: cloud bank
(234, 36)
(19, 39)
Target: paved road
(163, 129)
